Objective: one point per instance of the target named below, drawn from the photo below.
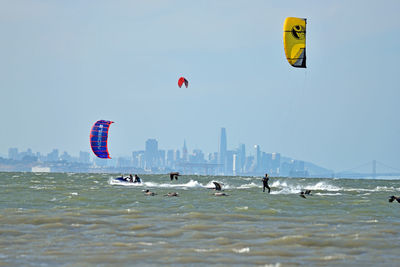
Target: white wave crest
(190, 184)
(241, 250)
(285, 187)
(250, 185)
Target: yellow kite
(294, 41)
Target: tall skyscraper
(170, 158)
(185, 156)
(222, 146)
(151, 154)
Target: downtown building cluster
(155, 160)
(223, 162)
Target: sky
(66, 64)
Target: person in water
(147, 192)
(265, 183)
(137, 179)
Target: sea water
(71, 219)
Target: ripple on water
(241, 250)
(201, 227)
(199, 216)
(168, 234)
(138, 227)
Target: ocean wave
(241, 250)
(250, 185)
(190, 184)
(376, 189)
(287, 188)
(279, 186)
(328, 194)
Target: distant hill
(317, 171)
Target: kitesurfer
(265, 183)
(137, 179)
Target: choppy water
(90, 219)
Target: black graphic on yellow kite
(294, 41)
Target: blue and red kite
(98, 138)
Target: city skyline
(62, 70)
(154, 159)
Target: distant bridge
(373, 175)
(353, 174)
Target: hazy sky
(66, 64)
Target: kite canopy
(181, 81)
(98, 138)
(294, 41)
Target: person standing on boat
(265, 183)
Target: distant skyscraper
(170, 158)
(257, 160)
(177, 155)
(276, 162)
(13, 153)
(138, 159)
(161, 157)
(65, 157)
(151, 154)
(185, 156)
(241, 158)
(222, 147)
(197, 157)
(229, 162)
(53, 155)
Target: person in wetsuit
(137, 179)
(265, 183)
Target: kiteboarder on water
(265, 183)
